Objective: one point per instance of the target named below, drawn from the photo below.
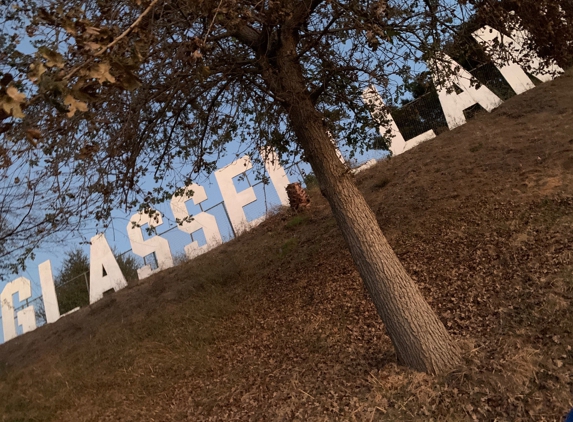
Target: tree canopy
(119, 91)
(110, 94)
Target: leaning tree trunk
(419, 337)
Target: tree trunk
(419, 337)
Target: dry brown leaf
(15, 94)
(101, 72)
(69, 26)
(92, 30)
(11, 102)
(11, 108)
(33, 133)
(36, 71)
(53, 58)
(93, 46)
(74, 105)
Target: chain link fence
(425, 112)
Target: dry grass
(276, 325)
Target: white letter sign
(102, 261)
(277, 174)
(49, 292)
(511, 71)
(235, 201)
(454, 104)
(397, 144)
(204, 221)
(156, 244)
(26, 317)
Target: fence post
(87, 282)
(229, 219)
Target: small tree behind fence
(73, 281)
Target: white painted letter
(102, 260)
(26, 317)
(511, 71)
(49, 292)
(204, 221)
(397, 144)
(454, 104)
(277, 174)
(235, 201)
(156, 244)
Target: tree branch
(114, 42)
(302, 13)
(247, 35)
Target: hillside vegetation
(276, 325)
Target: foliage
(72, 281)
(176, 88)
(31, 211)
(128, 264)
(310, 181)
(548, 23)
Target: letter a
(105, 273)
(454, 104)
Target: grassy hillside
(276, 325)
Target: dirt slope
(276, 326)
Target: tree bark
(419, 337)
